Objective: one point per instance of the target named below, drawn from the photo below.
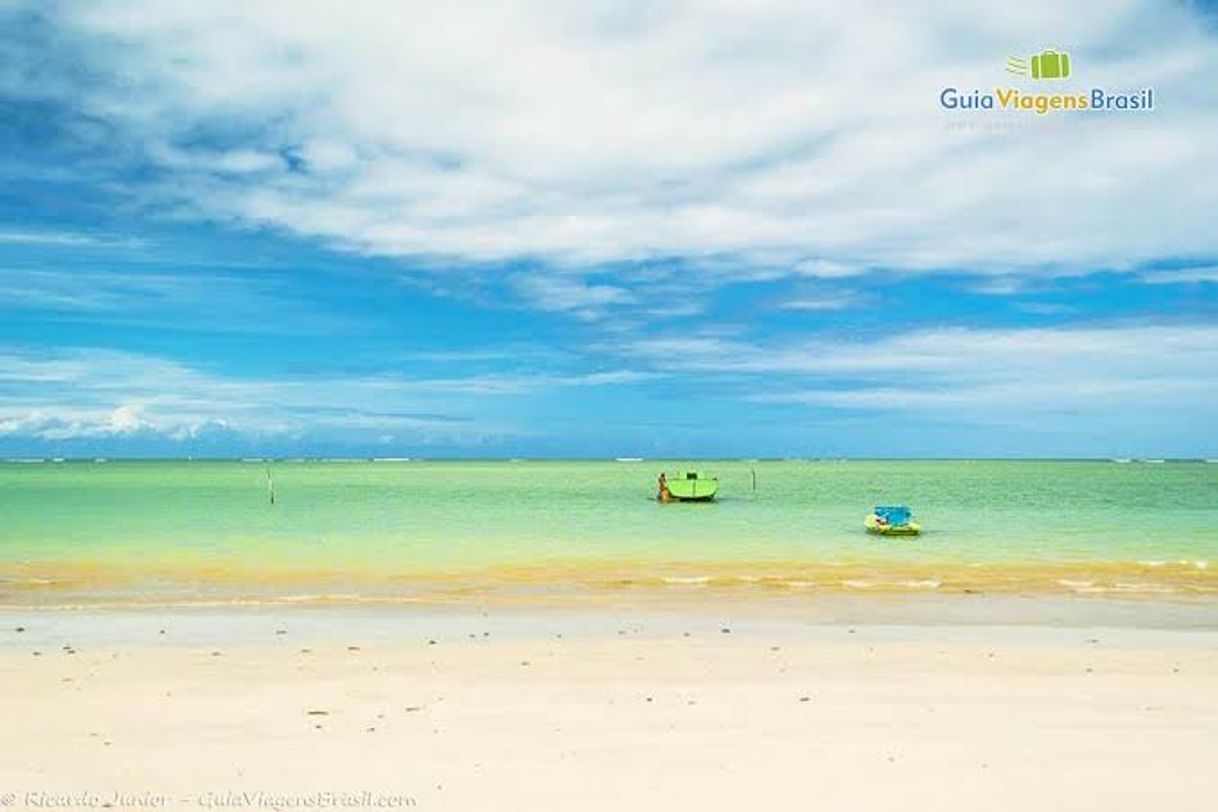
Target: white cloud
(565, 294)
(93, 291)
(216, 162)
(43, 238)
(1151, 373)
(126, 418)
(789, 134)
(1180, 276)
(70, 239)
(178, 298)
(822, 302)
(73, 423)
(827, 269)
(95, 393)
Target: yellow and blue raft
(892, 520)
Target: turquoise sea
(183, 531)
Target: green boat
(688, 486)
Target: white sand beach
(595, 712)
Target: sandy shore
(600, 711)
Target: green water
(389, 520)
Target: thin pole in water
(270, 484)
(753, 471)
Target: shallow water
(383, 531)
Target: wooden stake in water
(270, 485)
(753, 471)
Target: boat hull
(874, 525)
(692, 490)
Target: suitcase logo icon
(1048, 64)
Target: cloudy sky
(603, 229)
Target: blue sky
(618, 229)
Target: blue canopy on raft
(894, 514)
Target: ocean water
(182, 532)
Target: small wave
(1183, 562)
(336, 597)
(924, 583)
(855, 583)
(1127, 588)
(1076, 585)
(687, 579)
(17, 583)
(1123, 586)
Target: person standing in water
(663, 494)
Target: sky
(599, 229)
